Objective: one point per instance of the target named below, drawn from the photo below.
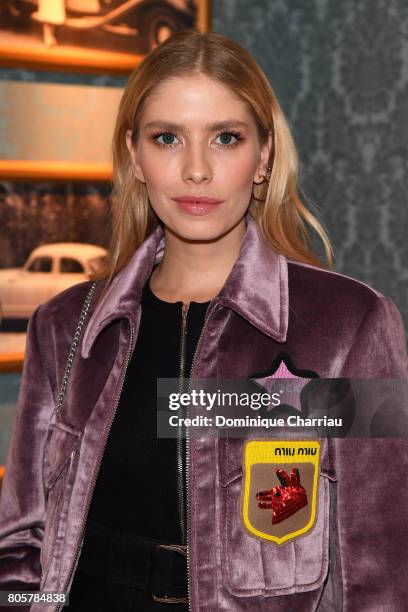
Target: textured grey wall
(340, 71)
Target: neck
(195, 271)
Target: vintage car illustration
(126, 25)
(50, 268)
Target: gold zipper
(180, 463)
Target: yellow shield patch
(280, 488)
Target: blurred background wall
(340, 70)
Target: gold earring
(267, 176)
(266, 179)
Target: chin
(200, 228)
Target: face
(198, 153)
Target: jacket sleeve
(22, 499)
(379, 346)
(371, 528)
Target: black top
(137, 489)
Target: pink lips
(197, 205)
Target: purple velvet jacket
(356, 556)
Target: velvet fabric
(356, 556)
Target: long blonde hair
(277, 208)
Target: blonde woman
(211, 276)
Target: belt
(139, 562)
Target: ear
(137, 170)
(266, 151)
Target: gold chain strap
(74, 344)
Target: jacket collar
(256, 288)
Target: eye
(229, 138)
(165, 139)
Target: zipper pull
(185, 311)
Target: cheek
(153, 172)
(160, 179)
(238, 176)
(238, 181)
(159, 175)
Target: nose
(197, 167)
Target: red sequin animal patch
(284, 499)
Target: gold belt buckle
(180, 548)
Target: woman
(211, 273)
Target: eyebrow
(209, 127)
